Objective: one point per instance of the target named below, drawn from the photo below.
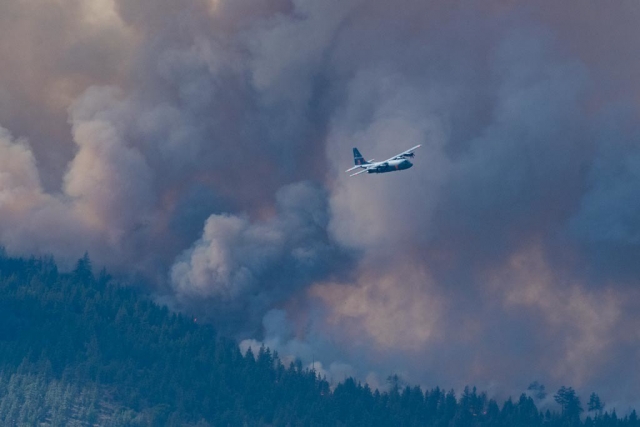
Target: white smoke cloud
(109, 182)
(32, 221)
(252, 265)
(19, 180)
(230, 259)
(105, 199)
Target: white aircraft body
(396, 163)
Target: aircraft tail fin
(357, 158)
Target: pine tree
(570, 403)
(595, 404)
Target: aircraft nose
(409, 164)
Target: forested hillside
(76, 349)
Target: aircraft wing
(368, 163)
(404, 154)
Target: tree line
(78, 349)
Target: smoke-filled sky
(200, 147)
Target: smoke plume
(201, 148)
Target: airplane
(396, 163)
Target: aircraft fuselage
(392, 166)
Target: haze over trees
(77, 349)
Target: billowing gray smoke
(244, 269)
(201, 147)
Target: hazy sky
(200, 147)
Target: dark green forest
(78, 349)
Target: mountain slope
(81, 350)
